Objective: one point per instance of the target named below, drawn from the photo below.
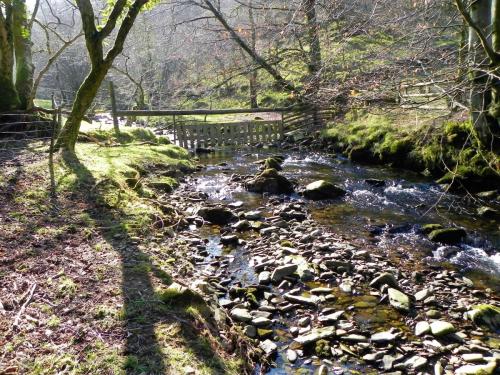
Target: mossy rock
(164, 184)
(322, 349)
(272, 163)
(487, 212)
(179, 295)
(428, 228)
(270, 181)
(361, 154)
(322, 189)
(449, 236)
(485, 316)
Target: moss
(428, 228)
(124, 137)
(486, 316)
(429, 148)
(322, 349)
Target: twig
(23, 307)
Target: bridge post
(175, 130)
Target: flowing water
(386, 217)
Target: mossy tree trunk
(481, 17)
(22, 49)
(252, 76)
(314, 65)
(9, 98)
(100, 63)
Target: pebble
(422, 328)
(283, 271)
(268, 346)
(440, 328)
(291, 355)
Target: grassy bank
(97, 266)
(446, 149)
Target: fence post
(175, 130)
(116, 125)
(55, 122)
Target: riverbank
(443, 148)
(225, 280)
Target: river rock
(250, 331)
(311, 300)
(262, 322)
(485, 316)
(291, 355)
(241, 315)
(273, 163)
(217, 215)
(449, 236)
(242, 225)
(315, 335)
(422, 328)
(383, 337)
(428, 228)
(253, 215)
(384, 278)
(487, 369)
(422, 294)
(270, 181)
(399, 300)
(416, 362)
(264, 277)
(230, 239)
(331, 318)
(281, 272)
(268, 347)
(375, 182)
(322, 189)
(440, 328)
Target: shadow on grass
(143, 307)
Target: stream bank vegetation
(446, 149)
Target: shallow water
(387, 218)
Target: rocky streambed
(346, 277)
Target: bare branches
(492, 55)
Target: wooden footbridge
(262, 125)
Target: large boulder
(270, 181)
(322, 189)
(449, 236)
(273, 163)
(217, 215)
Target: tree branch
(493, 56)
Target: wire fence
(29, 137)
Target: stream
(382, 213)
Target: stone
(375, 182)
(416, 362)
(188, 370)
(250, 331)
(322, 189)
(487, 369)
(428, 228)
(264, 277)
(322, 370)
(268, 347)
(283, 271)
(270, 181)
(264, 333)
(433, 314)
(217, 215)
(388, 360)
(422, 294)
(449, 236)
(262, 322)
(487, 316)
(315, 334)
(330, 318)
(422, 328)
(384, 278)
(383, 337)
(269, 230)
(253, 215)
(304, 322)
(241, 315)
(441, 328)
(473, 357)
(310, 301)
(273, 163)
(399, 300)
(346, 286)
(242, 225)
(354, 338)
(291, 355)
(230, 239)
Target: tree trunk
(253, 76)
(9, 98)
(314, 65)
(83, 100)
(481, 90)
(22, 47)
